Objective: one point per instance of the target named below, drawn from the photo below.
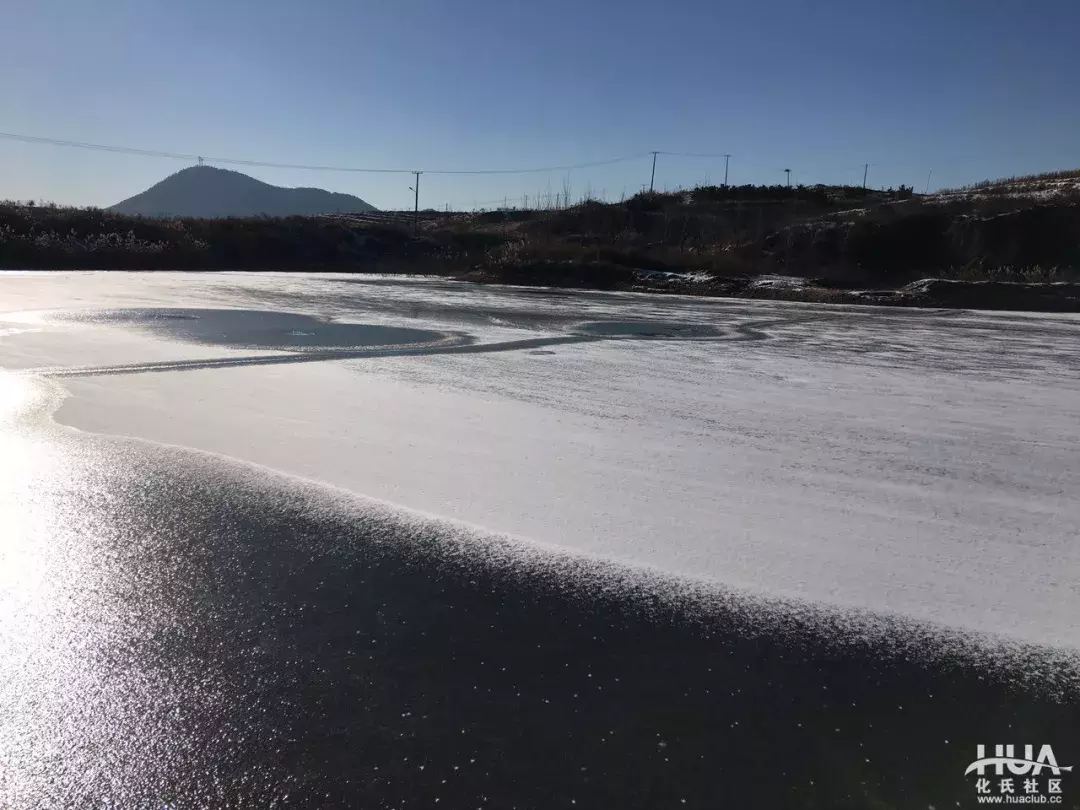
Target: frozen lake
(898, 486)
(920, 463)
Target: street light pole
(416, 203)
(791, 224)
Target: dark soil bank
(945, 293)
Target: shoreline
(928, 293)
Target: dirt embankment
(930, 292)
(937, 292)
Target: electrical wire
(181, 156)
(607, 162)
(694, 154)
(239, 162)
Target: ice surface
(915, 463)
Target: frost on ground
(1040, 188)
(920, 464)
(773, 282)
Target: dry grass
(1063, 174)
(1033, 274)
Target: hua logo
(1005, 758)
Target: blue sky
(966, 89)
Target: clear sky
(966, 89)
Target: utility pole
(865, 169)
(928, 181)
(790, 227)
(652, 178)
(727, 160)
(416, 203)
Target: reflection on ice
(250, 329)
(649, 329)
(185, 631)
(16, 393)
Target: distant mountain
(205, 191)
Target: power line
(195, 158)
(505, 199)
(696, 154)
(127, 150)
(239, 162)
(202, 160)
(549, 168)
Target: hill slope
(206, 191)
(1047, 186)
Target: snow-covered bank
(914, 464)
